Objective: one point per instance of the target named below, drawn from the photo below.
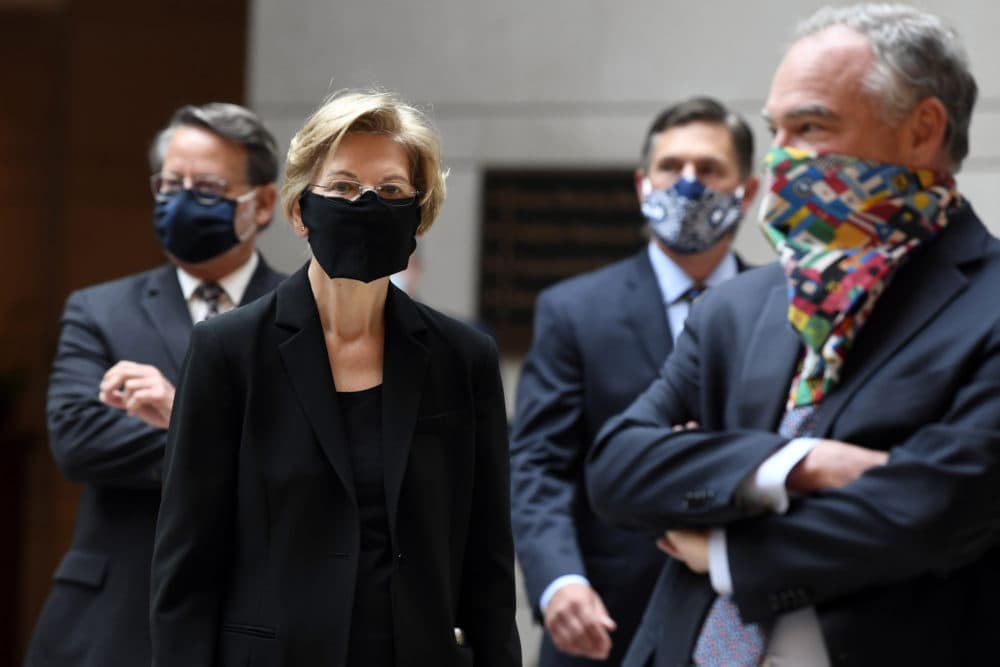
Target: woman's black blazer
(258, 535)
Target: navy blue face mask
(364, 239)
(193, 232)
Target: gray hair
(917, 55)
(232, 122)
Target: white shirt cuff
(718, 562)
(558, 583)
(766, 486)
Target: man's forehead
(697, 140)
(818, 73)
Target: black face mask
(364, 239)
(193, 232)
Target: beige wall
(555, 83)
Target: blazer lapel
(404, 369)
(644, 311)
(168, 312)
(772, 353)
(304, 356)
(918, 291)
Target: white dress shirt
(796, 638)
(234, 286)
(674, 283)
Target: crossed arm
(106, 417)
(927, 503)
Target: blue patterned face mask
(688, 217)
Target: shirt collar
(674, 282)
(235, 283)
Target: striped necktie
(210, 293)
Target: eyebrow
(802, 111)
(699, 161)
(352, 175)
(339, 172)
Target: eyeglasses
(208, 190)
(394, 193)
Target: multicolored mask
(688, 217)
(841, 226)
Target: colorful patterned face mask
(841, 226)
(688, 217)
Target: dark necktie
(210, 293)
(692, 293)
(725, 641)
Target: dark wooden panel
(540, 226)
(88, 84)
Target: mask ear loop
(242, 199)
(647, 187)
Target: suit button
(696, 499)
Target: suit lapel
(263, 280)
(644, 311)
(916, 294)
(168, 314)
(403, 374)
(772, 353)
(304, 356)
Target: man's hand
(689, 546)
(578, 622)
(139, 389)
(832, 464)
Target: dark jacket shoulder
(606, 280)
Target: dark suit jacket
(895, 563)
(257, 542)
(96, 614)
(599, 340)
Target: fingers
(687, 426)
(603, 617)
(124, 371)
(140, 390)
(578, 623)
(832, 464)
(688, 546)
(666, 546)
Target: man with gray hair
(820, 453)
(120, 352)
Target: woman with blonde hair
(336, 486)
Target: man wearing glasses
(120, 352)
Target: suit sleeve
(548, 446)
(931, 510)
(195, 524)
(90, 441)
(643, 476)
(488, 598)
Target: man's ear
(267, 196)
(750, 187)
(637, 178)
(925, 134)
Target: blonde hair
(349, 111)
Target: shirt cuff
(558, 583)
(718, 562)
(766, 485)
